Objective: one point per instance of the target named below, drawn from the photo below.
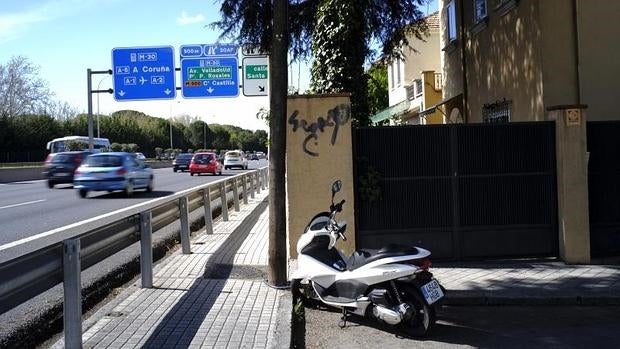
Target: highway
(29, 208)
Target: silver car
(112, 171)
(235, 159)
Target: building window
(398, 79)
(480, 10)
(500, 111)
(451, 15)
(505, 6)
(392, 75)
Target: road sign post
(209, 71)
(142, 73)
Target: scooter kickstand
(343, 319)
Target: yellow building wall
(451, 55)
(318, 152)
(504, 61)
(431, 97)
(599, 57)
(559, 52)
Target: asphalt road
(29, 208)
(478, 327)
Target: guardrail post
(244, 182)
(263, 180)
(257, 182)
(146, 250)
(206, 195)
(184, 225)
(235, 194)
(224, 201)
(251, 177)
(72, 284)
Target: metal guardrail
(59, 256)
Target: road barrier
(37, 264)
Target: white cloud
(185, 19)
(11, 25)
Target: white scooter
(391, 284)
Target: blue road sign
(142, 73)
(209, 71)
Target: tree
(199, 133)
(22, 91)
(76, 145)
(378, 96)
(339, 34)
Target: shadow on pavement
(197, 302)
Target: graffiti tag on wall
(336, 117)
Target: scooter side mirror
(336, 186)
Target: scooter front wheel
(423, 319)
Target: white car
(235, 158)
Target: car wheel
(129, 189)
(150, 186)
(191, 173)
(174, 170)
(83, 193)
(50, 184)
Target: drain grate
(230, 271)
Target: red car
(205, 163)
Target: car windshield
(104, 161)
(184, 157)
(232, 154)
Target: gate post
(572, 182)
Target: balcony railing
(414, 90)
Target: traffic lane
(31, 208)
(477, 327)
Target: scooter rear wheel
(423, 319)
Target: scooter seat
(363, 257)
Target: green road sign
(256, 71)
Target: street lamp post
(204, 135)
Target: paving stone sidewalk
(529, 282)
(215, 297)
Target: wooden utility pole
(277, 151)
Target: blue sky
(66, 37)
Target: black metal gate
(461, 190)
(604, 187)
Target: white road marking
(22, 204)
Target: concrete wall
(318, 152)
(599, 54)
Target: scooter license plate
(432, 292)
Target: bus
(57, 145)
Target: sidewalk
(215, 297)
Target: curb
(284, 321)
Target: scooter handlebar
(337, 207)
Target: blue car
(112, 171)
